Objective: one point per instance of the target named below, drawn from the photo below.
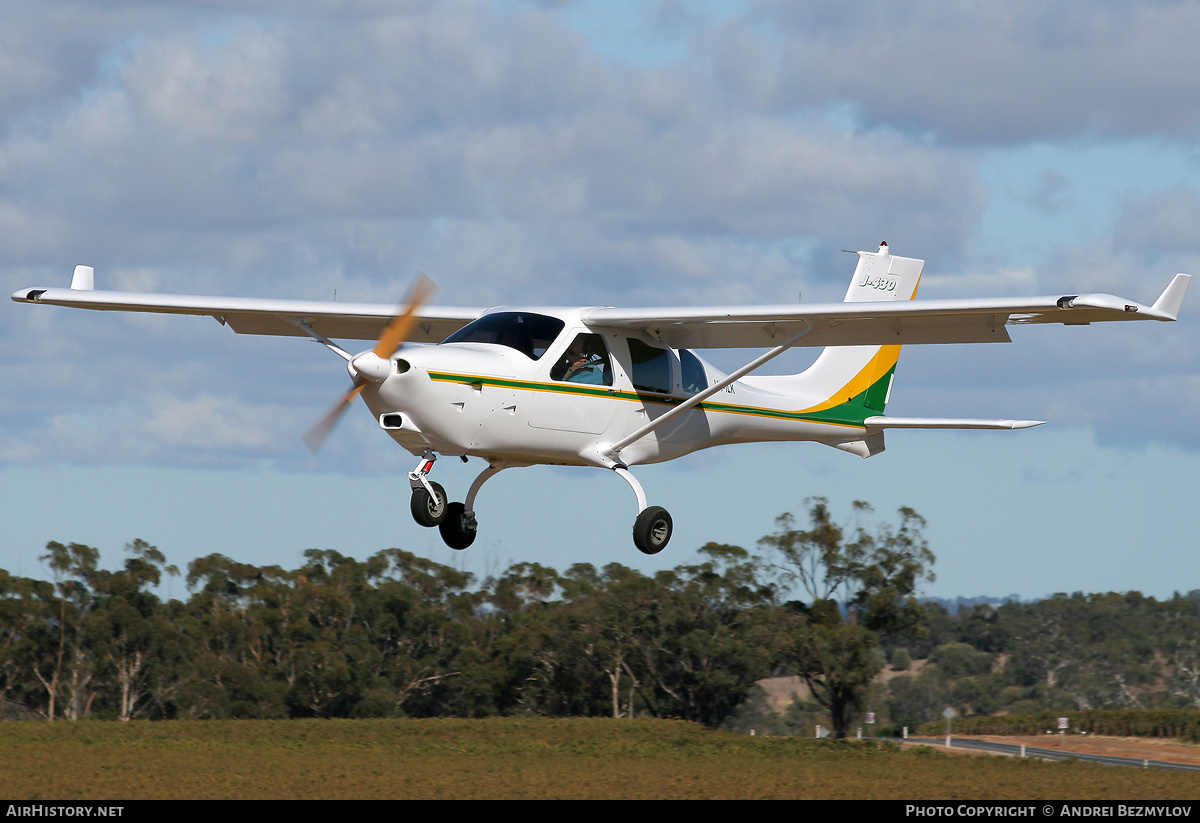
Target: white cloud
(1162, 221)
(986, 72)
(208, 422)
(236, 93)
(275, 149)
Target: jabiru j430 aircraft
(614, 388)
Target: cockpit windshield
(530, 334)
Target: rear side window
(692, 372)
(651, 367)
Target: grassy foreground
(509, 758)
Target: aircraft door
(579, 396)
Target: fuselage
(523, 387)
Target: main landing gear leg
(459, 527)
(428, 502)
(652, 529)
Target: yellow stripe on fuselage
(877, 367)
(877, 364)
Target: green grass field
(508, 758)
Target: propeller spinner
(373, 366)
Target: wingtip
(1169, 302)
(84, 278)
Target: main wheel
(652, 530)
(428, 509)
(455, 532)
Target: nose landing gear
(428, 501)
(428, 506)
(454, 521)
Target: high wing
(882, 323)
(832, 324)
(249, 315)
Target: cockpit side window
(585, 361)
(694, 378)
(530, 334)
(651, 367)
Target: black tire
(455, 532)
(428, 510)
(652, 530)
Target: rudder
(860, 377)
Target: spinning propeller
(373, 366)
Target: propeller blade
(315, 437)
(403, 322)
(395, 333)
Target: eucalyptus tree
(420, 620)
(68, 669)
(698, 636)
(243, 625)
(859, 584)
(28, 610)
(128, 627)
(730, 638)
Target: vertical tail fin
(848, 384)
(861, 376)
(855, 382)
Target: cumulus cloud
(211, 422)
(1051, 193)
(301, 127)
(983, 73)
(1163, 221)
(298, 150)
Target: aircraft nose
(368, 366)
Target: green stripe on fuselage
(850, 413)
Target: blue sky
(653, 153)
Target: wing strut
(320, 338)
(614, 450)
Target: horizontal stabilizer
(880, 422)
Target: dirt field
(1140, 748)
(780, 691)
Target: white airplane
(614, 388)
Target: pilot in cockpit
(582, 363)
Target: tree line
(833, 604)
(1064, 655)
(1112, 663)
(400, 635)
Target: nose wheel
(428, 505)
(428, 501)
